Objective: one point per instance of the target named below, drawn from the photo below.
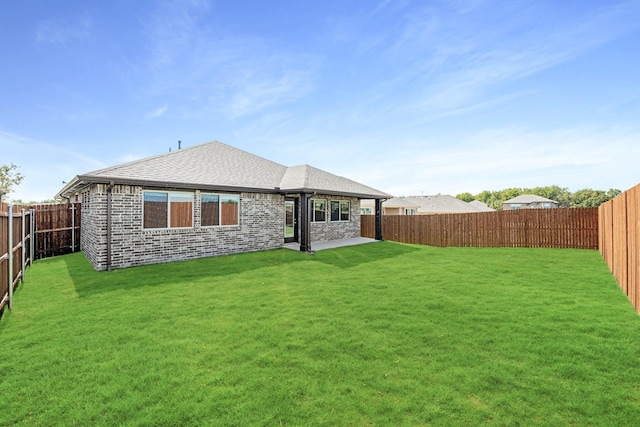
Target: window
(318, 210)
(167, 209)
(219, 209)
(366, 211)
(409, 211)
(516, 206)
(340, 210)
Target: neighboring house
(393, 206)
(423, 205)
(529, 201)
(210, 199)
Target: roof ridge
(152, 157)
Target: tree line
(9, 176)
(566, 199)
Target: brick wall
(93, 227)
(328, 230)
(261, 227)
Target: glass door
(290, 220)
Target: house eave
(71, 188)
(82, 181)
(336, 193)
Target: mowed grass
(378, 334)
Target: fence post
(32, 230)
(23, 249)
(10, 250)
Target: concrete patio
(331, 244)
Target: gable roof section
(481, 206)
(308, 179)
(399, 202)
(218, 166)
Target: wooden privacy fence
(57, 229)
(620, 241)
(31, 233)
(531, 228)
(16, 251)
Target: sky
(408, 97)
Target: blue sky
(409, 97)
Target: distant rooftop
(529, 198)
(439, 203)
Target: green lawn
(378, 334)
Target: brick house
(210, 199)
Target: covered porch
(302, 228)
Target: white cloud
(158, 112)
(498, 159)
(213, 73)
(448, 60)
(62, 32)
(260, 93)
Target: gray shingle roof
(441, 203)
(215, 165)
(529, 198)
(430, 204)
(399, 202)
(481, 206)
(309, 179)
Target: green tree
(591, 198)
(613, 192)
(9, 176)
(562, 195)
(490, 198)
(466, 197)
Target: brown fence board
(620, 241)
(540, 228)
(632, 246)
(57, 229)
(54, 230)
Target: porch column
(379, 219)
(305, 222)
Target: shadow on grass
(89, 282)
(353, 256)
